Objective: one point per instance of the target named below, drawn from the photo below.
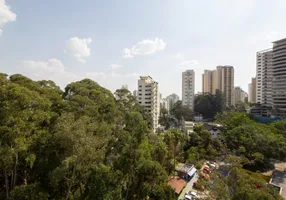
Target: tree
(257, 143)
(231, 120)
(239, 184)
(209, 105)
(280, 126)
(241, 106)
(25, 120)
(126, 101)
(164, 118)
(172, 139)
(180, 111)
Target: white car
(211, 164)
(194, 195)
(188, 197)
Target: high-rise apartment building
(171, 100)
(264, 72)
(279, 77)
(210, 81)
(252, 91)
(239, 95)
(221, 79)
(225, 82)
(149, 97)
(188, 88)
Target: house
(176, 183)
(189, 127)
(186, 171)
(214, 129)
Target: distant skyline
(115, 42)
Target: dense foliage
(87, 143)
(80, 143)
(208, 105)
(242, 184)
(260, 144)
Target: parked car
(207, 170)
(211, 165)
(188, 197)
(194, 195)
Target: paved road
(189, 186)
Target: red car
(207, 170)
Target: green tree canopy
(209, 105)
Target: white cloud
(6, 15)
(78, 48)
(52, 69)
(115, 66)
(145, 47)
(187, 64)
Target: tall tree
(209, 105)
(180, 111)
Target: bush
(199, 164)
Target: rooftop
(176, 183)
(265, 50)
(281, 40)
(186, 168)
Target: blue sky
(114, 42)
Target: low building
(214, 129)
(176, 183)
(278, 179)
(260, 110)
(186, 171)
(198, 118)
(189, 127)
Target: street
(189, 186)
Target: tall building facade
(239, 95)
(221, 79)
(149, 97)
(188, 88)
(279, 77)
(252, 91)
(210, 81)
(171, 100)
(264, 73)
(225, 82)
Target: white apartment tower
(279, 77)
(149, 97)
(264, 80)
(188, 88)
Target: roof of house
(186, 168)
(176, 183)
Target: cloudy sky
(114, 42)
